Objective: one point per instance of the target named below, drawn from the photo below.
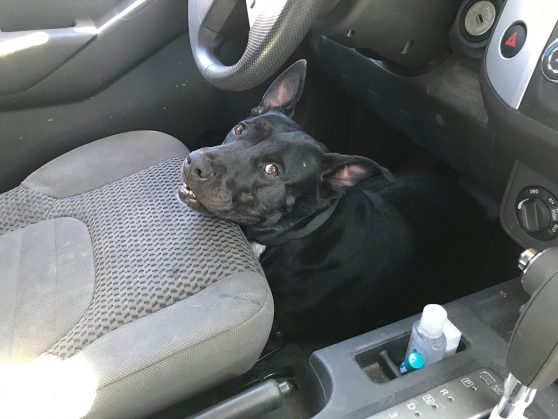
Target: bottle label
(429, 354)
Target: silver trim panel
(510, 76)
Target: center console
(356, 378)
(359, 378)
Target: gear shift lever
(533, 351)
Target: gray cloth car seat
(100, 262)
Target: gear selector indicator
(469, 396)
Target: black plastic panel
(442, 110)
(524, 177)
(467, 397)
(520, 138)
(526, 135)
(381, 363)
(408, 33)
(343, 389)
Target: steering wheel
(277, 27)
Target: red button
(513, 40)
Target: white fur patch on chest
(257, 248)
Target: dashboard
(522, 34)
(520, 86)
(476, 85)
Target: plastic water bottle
(427, 334)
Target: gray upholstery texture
(216, 334)
(85, 168)
(47, 283)
(179, 302)
(21, 207)
(150, 250)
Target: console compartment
(381, 363)
(356, 378)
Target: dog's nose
(197, 166)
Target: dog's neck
(275, 235)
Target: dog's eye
(239, 129)
(271, 169)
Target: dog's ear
(341, 171)
(285, 91)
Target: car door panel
(79, 61)
(23, 15)
(164, 93)
(127, 70)
(23, 64)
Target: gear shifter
(533, 351)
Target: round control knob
(533, 215)
(536, 212)
(549, 62)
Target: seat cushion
(103, 161)
(211, 337)
(47, 278)
(173, 289)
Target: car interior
(116, 301)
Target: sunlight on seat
(23, 42)
(47, 388)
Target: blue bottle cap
(413, 362)
(416, 360)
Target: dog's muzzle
(186, 194)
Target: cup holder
(381, 363)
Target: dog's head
(268, 172)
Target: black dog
(347, 245)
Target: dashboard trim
(511, 76)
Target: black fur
(362, 261)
